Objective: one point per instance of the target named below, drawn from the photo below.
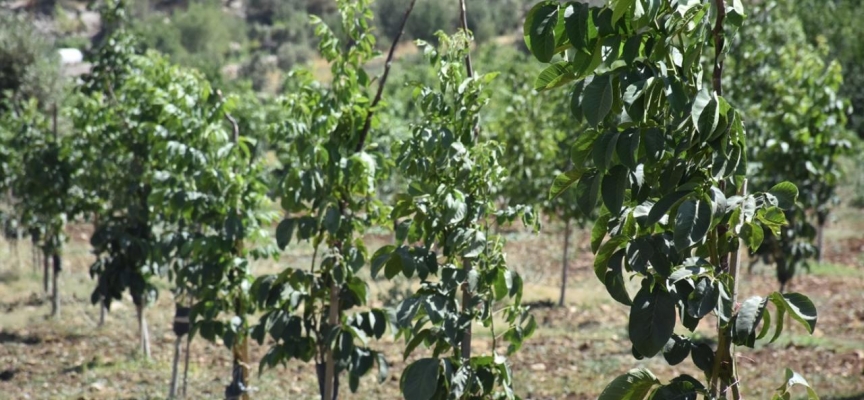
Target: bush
(202, 37)
(29, 66)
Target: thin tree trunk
(820, 237)
(55, 298)
(102, 310)
(172, 391)
(240, 367)
(46, 272)
(564, 263)
(186, 364)
(142, 332)
(466, 303)
(330, 363)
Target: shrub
(29, 66)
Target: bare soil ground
(576, 351)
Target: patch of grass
(837, 270)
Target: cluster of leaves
(664, 160)
(796, 120)
(442, 235)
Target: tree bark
(142, 332)
(820, 238)
(55, 297)
(186, 364)
(330, 363)
(46, 272)
(564, 263)
(172, 390)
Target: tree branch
(367, 125)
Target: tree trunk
(564, 263)
(239, 388)
(329, 392)
(102, 310)
(142, 332)
(466, 304)
(172, 390)
(820, 237)
(55, 297)
(46, 272)
(186, 364)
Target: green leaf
(634, 385)
(604, 150)
(555, 75)
(587, 191)
(415, 341)
(786, 194)
(692, 223)
(598, 232)
(284, 232)
(583, 148)
(659, 210)
(799, 306)
(539, 30)
(620, 7)
(597, 99)
(753, 235)
(614, 280)
(604, 254)
(746, 321)
(652, 320)
(420, 379)
(563, 181)
(613, 188)
(793, 379)
(676, 349)
(705, 113)
(703, 299)
(579, 26)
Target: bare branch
(367, 125)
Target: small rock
(538, 367)
(97, 386)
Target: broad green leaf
(800, 307)
(703, 299)
(604, 254)
(598, 232)
(420, 379)
(652, 320)
(620, 7)
(539, 30)
(634, 385)
(746, 321)
(604, 150)
(583, 148)
(555, 75)
(613, 187)
(579, 26)
(587, 191)
(705, 113)
(692, 222)
(600, 93)
(659, 210)
(284, 232)
(753, 235)
(793, 379)
(786, 194)
(677, 349)
(614, 280)
(563, 181)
